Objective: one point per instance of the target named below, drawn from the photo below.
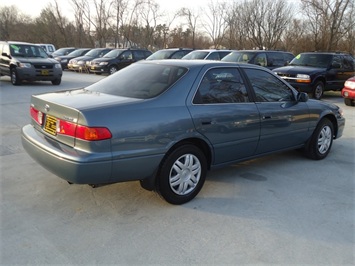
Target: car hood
(84, 58)
(298, 69)
(103, 59)
(36, 60)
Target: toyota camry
(166, 123)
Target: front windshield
(139, 80)
(196, 55)
(312, 60)
(241, 57)
(94, 52)
(27, 50)
(76, 52)
(113, 53)
(162, 54)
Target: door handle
(266, 117)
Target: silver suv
(27, 61)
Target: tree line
(312, 25)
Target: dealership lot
(280, 209)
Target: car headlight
(303, 78)
(103, 63)
(81, 62)
(57, 66)
(25, 65)
(350, 84)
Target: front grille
(43, 66)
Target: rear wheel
(182, 174)
(321, 140)
(14, 77)
(318, 90)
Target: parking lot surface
(277, 210)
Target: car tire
(182, 174)
(112, 70)
(318, 90)
(14, 77)
(56, 81)
(320, 143)
(348, 102)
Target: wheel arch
(150, 183)
(333, 120)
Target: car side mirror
(6, 54)
(302, 97)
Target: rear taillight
(36, 115)
(72, 129)
(82, 132)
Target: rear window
(141, 81)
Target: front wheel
(318, 90)
(182, 174)
(348, 102)
(56, 81)
(14, 77)
(112, 69)
(321, 140)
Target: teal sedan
(167, 122)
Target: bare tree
(266, 22)
(192, 18)
(215, 22)
(326, 20)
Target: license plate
(51, 125)
(44, 72)
(92, 67)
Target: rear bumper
(79, 167)
(73, 166)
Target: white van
(49, 48)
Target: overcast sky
(34, 7)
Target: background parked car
(27, 61)
(171, 53)
(48, 48)
(167, 122)
(265, 58)
(83, 62)
(348, 92)
(63, 51)
(316, 72)
(64, 59)
(117, 59)
(208, 54)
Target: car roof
(199, 63)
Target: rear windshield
(141, 81)
(162, 54)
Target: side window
(260, 60)
(337, 61)
(1, 48)
(267, 87)
(127, 55)
(213, 56)
(348, 63)
(178, 55)
(138, 55)
(221, 85)
(276, 59)
(50, 49)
